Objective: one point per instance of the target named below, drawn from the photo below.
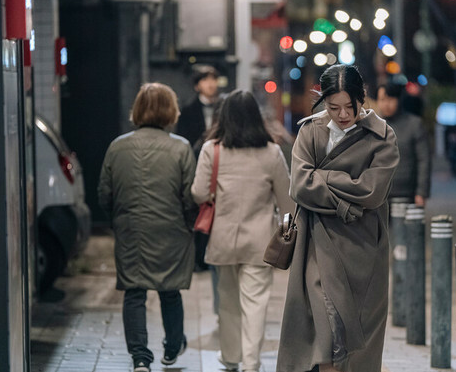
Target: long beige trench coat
(251, 182)
(336, 304)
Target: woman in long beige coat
(252, 181)
(343, 161)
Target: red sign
(18, 18)
(61, 57)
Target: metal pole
(441, 239)
(398, 240)
(398, 32)
(415, 278)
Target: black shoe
(141, 365)
(170, 357)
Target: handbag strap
(293, 220)
(215, 166)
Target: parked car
(63, 217)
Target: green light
(323, 25)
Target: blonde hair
(155, 104)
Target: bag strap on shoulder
(215, 166)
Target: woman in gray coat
(145, 188)
(343, 162)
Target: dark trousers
(134, 319)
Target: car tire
(50, 262)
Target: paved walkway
(84, 331)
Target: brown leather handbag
(206, 213)
(279, 251)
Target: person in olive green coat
(344, 159)
(145, 189)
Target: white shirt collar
(335, 128)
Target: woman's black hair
(240, 123)
(342, 78)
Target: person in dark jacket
(195, 120)
(413, 177)
(144, 187)
(196, 117)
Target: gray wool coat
(145, 188)
(337, 299)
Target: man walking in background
(412, 179)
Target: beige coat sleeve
(202, 182)
(281, 184)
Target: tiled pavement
(84, 332)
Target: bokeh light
(338, 36)
(342, 16)
(320, 59)
(301, 61)
(393, 68)
(450, 56)
(331, 59)
(389, 50)
(300, 46)
(381, 14)
(295, 73)
(270, 86)
(317, 37)
(379, 24)
(286, 42)
(422, 80)
(356, 24)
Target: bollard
(441, 240)
(399, 256)
(415, 275)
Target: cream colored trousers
(244, 292)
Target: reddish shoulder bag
(207, 210)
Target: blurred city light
(192, 59)
(412, 89)
(286, 42)
(393, 68)
(295, 73)
(323, 25)
(270, 86)
(422, 80)
(300, 46)
(381, 14)
(317, 37)
(450, 56)
(379, 24)
(338, 36)
(32, 40)
(446, 113)
(342, 16)
(301, 61)
(347, 52)
(320, 59)
(384, 40)
(331, 59)
(286, 99)
(356, 24)
(389, 50)
(400, 79)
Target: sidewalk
(84, 332)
